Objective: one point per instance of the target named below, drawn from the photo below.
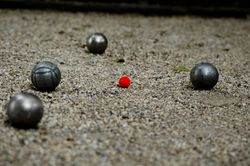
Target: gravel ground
(159, 120)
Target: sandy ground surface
(159, 120)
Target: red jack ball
(124, 82)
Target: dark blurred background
(151, 7)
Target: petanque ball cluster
(25, 110)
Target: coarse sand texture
(159, 120)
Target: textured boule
(45, 76)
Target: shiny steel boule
(97, 43)
(204, 76)
(25, 110)
(45, 76)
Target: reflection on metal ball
(204, 76)
(25, 110)
(97, 43)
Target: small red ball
(124, 82)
